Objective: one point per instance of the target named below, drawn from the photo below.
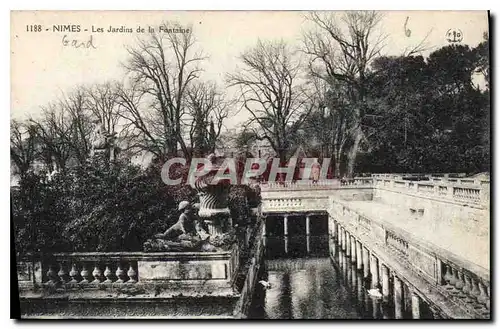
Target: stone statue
(315, 171)
(187, 234)
(101, 140)
(99, 137)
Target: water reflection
(306, 283)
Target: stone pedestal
(217, 220)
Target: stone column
(334, 230)
(264, 227)
(398, 298)
(342, 238)
(385, 282)
(339, 236)
(366, 263)
(415, 306)
(286, 244)
(374, 263)
(353, 250)
(308, 229)
(285, 224)
(308, 244)
(359, 257)
(348, 244)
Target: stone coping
(421, 243)
(132, 256)
(265, 188)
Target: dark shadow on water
(306, 283)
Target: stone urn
(213, 194)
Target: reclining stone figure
(187, 234)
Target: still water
(305, 283)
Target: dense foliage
(98, 207)
(421, 115)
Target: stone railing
(320, 185)
(462, 193)
(295, 204)
(103, 270)
(462, 282)
(443, 178)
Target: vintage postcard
(250, 164)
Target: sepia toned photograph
(252, 165)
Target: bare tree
(207, 110)
(341, 49)
(137, 131)
(272, 92)
(162, 66)
(53, 132)
(101, 101)
(329, 125)
(63, 130)
(75, 106)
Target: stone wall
(469, 217)
(242, 308)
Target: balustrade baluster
(62, 274)
(52, 275)
(483, 297)
(460, 283)
(475, 292)
(454, 280)
(85, 274)
(489, 297)
(97, 274)
(108, 274)
(132, 274)
(448, 276)
(467, 289)
(73, 274)
(120, 274)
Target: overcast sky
(42, 68)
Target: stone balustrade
(319, 185)
(459, 192)
(294, 204)
(433, 178)
(103, 270)
(463, 283)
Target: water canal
(306, 283)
